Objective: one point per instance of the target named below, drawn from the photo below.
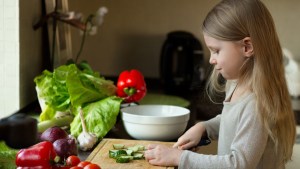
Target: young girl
(256, 128)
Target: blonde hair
(233, 20)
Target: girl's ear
(248, 47)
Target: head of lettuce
(72, 87)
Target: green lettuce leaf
(47, 114)
(69, 87)
(52, 87)
(7, 156)
(99, 117)
(85, 88)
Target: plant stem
(82, 121)
(54, 37)
(63, 121)
(83, 37)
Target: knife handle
(204, 142)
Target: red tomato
(76, 167)
(72, 160)
(60, 167)
(82, 164)
(92, 166)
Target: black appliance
(181, 64)
(19, 130)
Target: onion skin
(53, 133)
(65, 148)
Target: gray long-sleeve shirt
(243, 142)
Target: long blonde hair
(233, 20)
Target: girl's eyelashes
(215, 52)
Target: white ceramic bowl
(155, 122)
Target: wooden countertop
(100, 155)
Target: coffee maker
(181, 63)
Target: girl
(256, 128)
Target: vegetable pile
(64, 145)
(75, 96)
(73, 88)
(44, 155)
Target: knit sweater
(243, 143)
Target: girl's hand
(162, 155)
(191, 137)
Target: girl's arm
(192, 137)
(167, 156)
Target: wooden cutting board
(100, 155)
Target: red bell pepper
(131, 86)
(38, 156)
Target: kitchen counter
(100, 154)
(119, 132)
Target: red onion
(65, 147)
(53, 133)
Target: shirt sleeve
(246, 149)
(212, 127)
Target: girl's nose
(212, 60)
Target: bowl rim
(147, 119)
(187, 111)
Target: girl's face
(226, 56)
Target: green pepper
(131, 86)
(38, 156)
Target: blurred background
(132, 36)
